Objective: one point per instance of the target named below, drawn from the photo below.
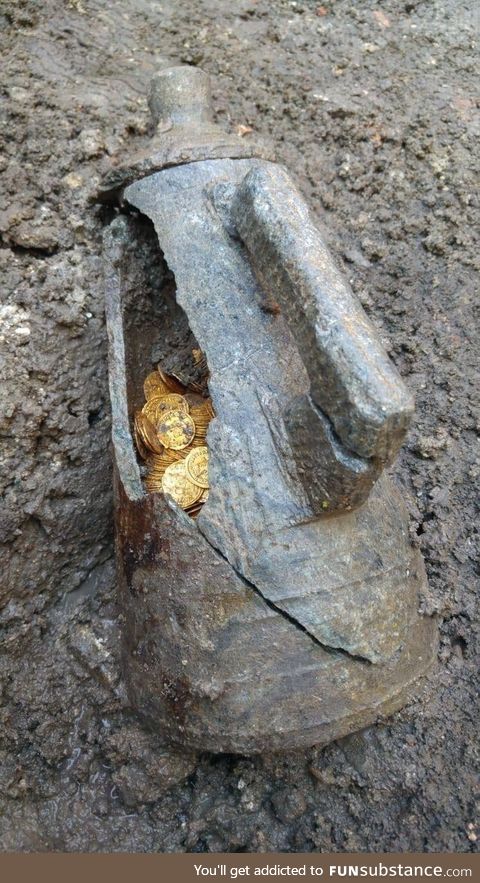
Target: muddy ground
(371, 106)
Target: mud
(372, 108)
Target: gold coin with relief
(158, 405)
(154, 385)
(176, 430)
(171, 402)
(196, 465)
(177, 484)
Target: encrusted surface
(355, 585)
(212, 664)
(325, 630)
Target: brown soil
(371, 106)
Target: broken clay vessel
(287, 613)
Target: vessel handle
(352, 379)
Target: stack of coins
(170, 433)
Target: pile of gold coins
(170, 433)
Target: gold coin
(172, 384)
(196, 465)
(150, 408)
(148, 433)
(200, 416)
(177, 483)
(153, 384)
(204, 497)
(200, 420)
(202, 410)
(176, 430)
(172, 402)
(145, 433)
(139, 444)
(200, 432)
(158, 405)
